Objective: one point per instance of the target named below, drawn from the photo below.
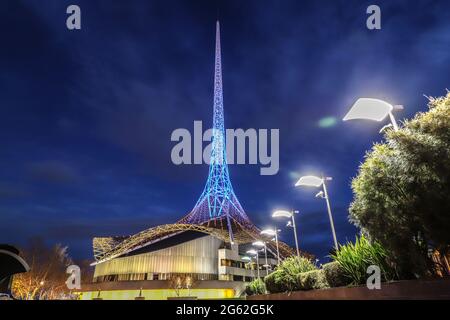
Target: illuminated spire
(217, 211)
(218, 201)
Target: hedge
(335, 275)
(312, 280)
(274, 282)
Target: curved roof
(11, 263)
(106, 248)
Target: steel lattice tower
(217, 211)
(218, 205)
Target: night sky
(86, 116)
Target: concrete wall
(412, 289)
(160, 290)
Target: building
(204, 254)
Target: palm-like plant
(355, 258)
(285, 277)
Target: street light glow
(309, 181)
(269, 232)
(369, 109)
(258, 244)
(373, 109)
(282, 213)
(252, 252)
(313, 181)
(246, 258)
(289, 215)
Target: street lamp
(373, 109)
(263, 244)
(289, 215)
(253, 252)
(313, 181)
(273, 232)
(248, 259)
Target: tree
(402, 191)
(179, 282)
(87, 271)
(47, 275)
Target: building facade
(190, 263)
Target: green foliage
(275, 283)
(285, 277)
(355, 258)
(402, 191)
(335, 275)
(257, 286)
(312, 280)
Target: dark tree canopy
(402, 191)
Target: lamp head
(258, 244)
(320, 194)
(369, 109)
(309, 181)
(268, 232)
(282, 213)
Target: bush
(312, 280)
(285, 277)
(356, 258)
(257, 286)
(274, 282)
(335, 275)
(402, 191)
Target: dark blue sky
(86, 116)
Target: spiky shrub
(355, 258)
(257, 286)
(314, 279)
(402, 191)
(291, 268)
(274, 282)
(285, 278)
(335, 275)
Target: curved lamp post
(289, 215)
(262, 244)
(271, 233)
(373, 109)
(313, 181)
(248, 259)
(254, 252)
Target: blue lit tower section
(218, 206)
(217, 211)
